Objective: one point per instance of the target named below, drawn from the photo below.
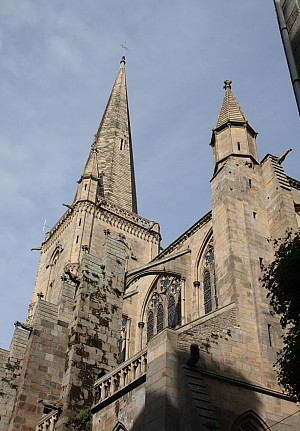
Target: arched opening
(119, 427)
(249, 421)
(163, 305)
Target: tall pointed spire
(111, 152)
(233, 135)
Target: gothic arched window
(209, 286)
(119, 427)
(178, 310)
(164, 308)
(249, 421)
(171, 312)
(122, 340)
(207, 292)
(150, 325)
(160, 318)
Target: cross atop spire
(227, 84)
(231, 112)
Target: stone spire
(233, 135)
(110, 163)
(231, 112)
(90, 184)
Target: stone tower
(73, 331)
(251, 204)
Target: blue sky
(59, 60)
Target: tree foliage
(83, 422)
(282, 280)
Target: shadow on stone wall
(206, 395)
(214, 399)
(197, 401)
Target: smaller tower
(238, 202)
(232, 135)
(90, 185)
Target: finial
(123, 60)
(227, 84)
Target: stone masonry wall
(162, 398)
(7, 392)
(233, 373)
(43, 367)
(278, 198)
(127, 410)
(10, 369)
(94, 333)
(9, 373)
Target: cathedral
(138, 339)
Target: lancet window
(150, 325)
(123, 340)
(119, 427)
(249, 421)
(210, 297)
(160, 317)
(171, 312)
(207, 291)
(164, 307)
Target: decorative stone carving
(70, 272)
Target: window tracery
(150, 325)
(210, 297)
(160, 318)
(164, 308)
(171, 312)
(249, 421)
(207, 292)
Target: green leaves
(282, 280)
(83, 421)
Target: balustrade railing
(47, 423)
(120, 377)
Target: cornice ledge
(149, 225)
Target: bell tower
(241, 226)
(76, 309)
(233, 135)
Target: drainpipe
(288, 52)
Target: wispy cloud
(58, 63)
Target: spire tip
(227, 84)
(123, 60)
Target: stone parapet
(47, 423)
(120, 380)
